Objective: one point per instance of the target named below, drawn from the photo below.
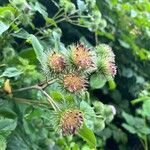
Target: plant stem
(41, 87)
(57, 14)
(51, 101)
(30, 102)
(145, 142)
(138, 100)
(71, 22)
(96, 38)
(145, 136)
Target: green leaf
(21, 33)
(112, 84)
(81, 5)
(11, 72)
(129, 128)
(7, 112)
(56, 95)
(88, 136)
(41, 9)
(146, 107)
(129, 119)
(51, 21)
(89, 114)
(3, 27)
(127, 72)
(39, 50)
(124, 44)
(97, 81)
(7, 124)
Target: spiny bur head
(82, 57)
(112, 68)
(105, 51)
(107, 68)
(74, 82)
(71, 121)
(56, 62)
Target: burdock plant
(71, 70)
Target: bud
(82, 57)
(74, 82)
(71, 121)
(56, 62)
(7, 87)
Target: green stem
(138, 100)
(77, 16)
(145, 143)
(30, 102)
(41, 87)
(51, 101)
(58, 14)
(96, 38)
(76, 24)
(145, 136)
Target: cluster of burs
(74, 67)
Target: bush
(60, 87)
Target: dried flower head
(82, 57)
(71, 121)
(56, 62)
(74, 82)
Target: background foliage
(124, 25)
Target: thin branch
(51, 101)
(58, 13)
(39, 86)
(26, 88)
(30, 102)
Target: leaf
(21, 33)
(7, 124)
(129, 119)
(112, 84)
(3, 27)
(11, 72)
(120, 136)
(7, 112)
(129, 128)
(38, 48)
(124, 44)
(97, 81)
(41, 9)
(81, 5)
(51, 21)
(56, 95)
(127, 72)
(88, 136)
(146, 107)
